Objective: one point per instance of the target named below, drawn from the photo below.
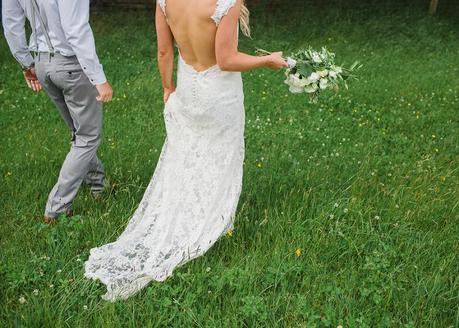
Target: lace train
(192, 197)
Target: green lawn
(364, 184)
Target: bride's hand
(275, 61)
(167, 93)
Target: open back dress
(192, 197)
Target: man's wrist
(27, 68)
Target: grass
(363, 187)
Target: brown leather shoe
(49, 220)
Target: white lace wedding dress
(193, 194)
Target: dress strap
(222, 8)
(162, 4)
(36, 12)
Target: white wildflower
(316, 58)
(35, 292)
(22, 300)
(337, 69)
(333, 74)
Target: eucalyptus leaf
(305, 69)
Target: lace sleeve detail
(162, 4)
(222, 8)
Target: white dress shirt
(67, 23)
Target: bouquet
(312, 72)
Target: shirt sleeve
(75, 23)
(13, 19)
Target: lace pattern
(192, 197)
(162, 5)
(222, 8)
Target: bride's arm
(226, 47)
(165, 41)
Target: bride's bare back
(193, 30)
(206, 32)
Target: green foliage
(364, 183)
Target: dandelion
(230, 233)
(35, 292)
(22, 300)
(298, 252)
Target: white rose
(323, 84)
(323, 73)
(314, 77)
(311, 88)
(295, 83)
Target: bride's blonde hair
(244, 19)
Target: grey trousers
(75, 98)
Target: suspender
(36, 11)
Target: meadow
(349, 213)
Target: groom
(67, 67)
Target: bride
(192, 197)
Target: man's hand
(30, 77)
(167, 93)
(105, 92)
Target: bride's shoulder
(222, 8)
